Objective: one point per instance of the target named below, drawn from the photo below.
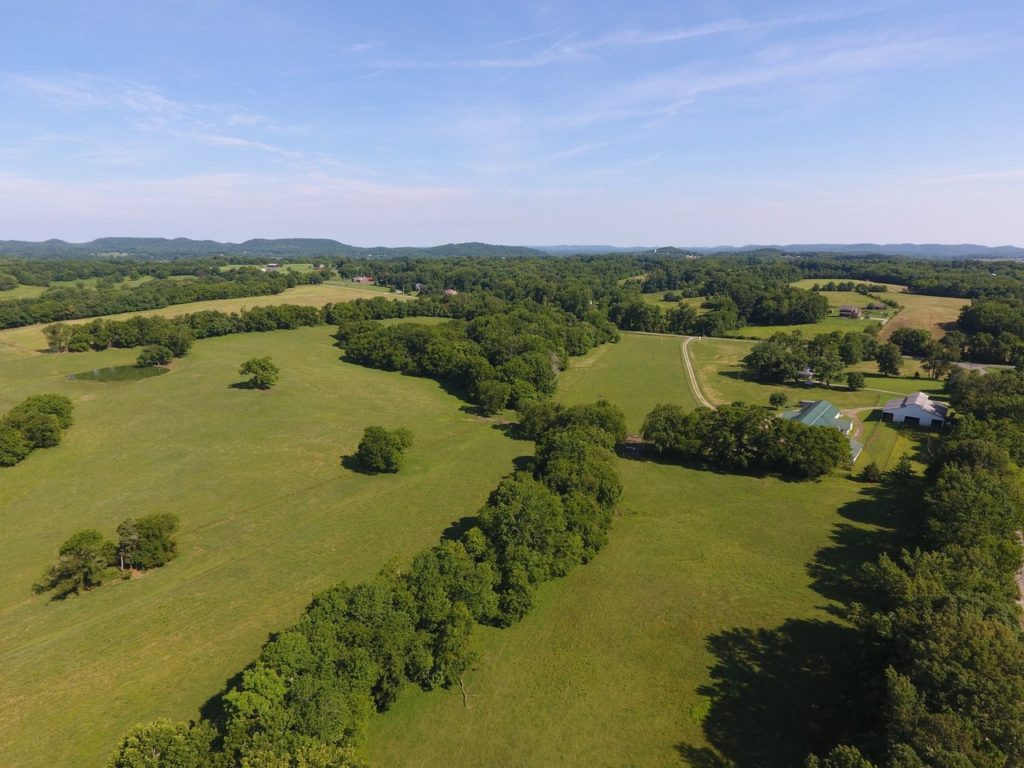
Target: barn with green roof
(821, 413)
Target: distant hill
(572, 250)
(922, 251)
(160, 248)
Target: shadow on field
(780, 694)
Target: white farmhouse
(915, 408)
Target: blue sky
(690, 123)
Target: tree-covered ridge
(298, 247)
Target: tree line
(942, 632)
(742, 437)
(307, 697)
(38, 421)
(77, 302)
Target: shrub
(855, 380)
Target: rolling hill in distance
(300, 247)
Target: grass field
(936, 313)
(827, 325)
(29, 339)
(636, 374)
(268, 516)
(685, 642)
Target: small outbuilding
(363, 279)
(915, 408)
(848, 310)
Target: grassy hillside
(268, 516)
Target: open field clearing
(658, 300)
(636, 374)
(22, 292)
(268, 516)
(827, 325)
(29, 339)
(932, 312)
(707, 575)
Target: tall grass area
(268, 516)
(612, 667)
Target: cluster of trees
(381, 450)
(865, 289)
(746, 437)
(36, 422)
(509, 355)
(69, 303)
(991, 331)
(307, 697)
(177, 333)
(738, 305)
(783, 356)
(944, 626)
(87, 559)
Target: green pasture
(268, 516)
(647, 656)
(635, 374)
(658, 300)
(826, 325)
(29, 340)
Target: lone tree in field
(381, 449)
(778, 399)
(855, 380)
(262, 372)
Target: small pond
(119, 373)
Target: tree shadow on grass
(353, 464)
(247, 385)
(457, 528)
(780, 694)
(213, 709)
